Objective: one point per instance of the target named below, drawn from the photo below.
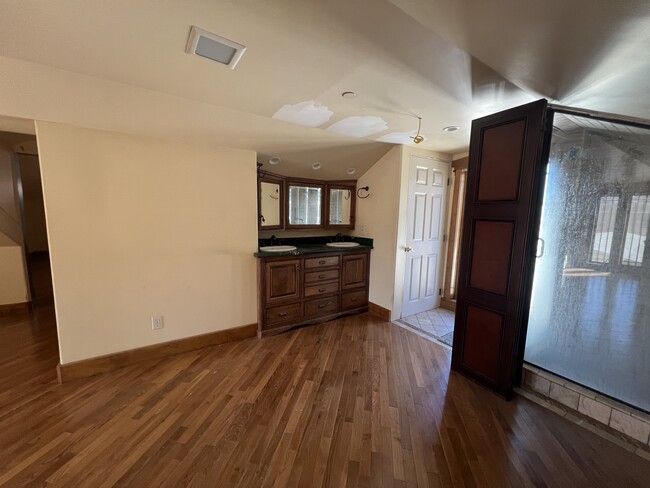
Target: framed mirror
(304, 205)
(270, 203)
(341, 201)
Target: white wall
(140, 227)
(377, 218)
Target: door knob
(408, 249)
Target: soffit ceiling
(448, 62)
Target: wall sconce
(365, 189)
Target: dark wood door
(354, 272)
(282, 280)
(508, 151)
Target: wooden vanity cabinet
(297, 290)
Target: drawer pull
(354, 299)
(321, 290)
(321, 276)
(323, 305)
(322, 262)
(283, 314)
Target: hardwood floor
(354, 402)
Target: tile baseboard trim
(615, 421)
(379, 311)
(110, 362)
(11, 309)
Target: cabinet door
(282, 280)
(354, 272)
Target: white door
(424, 241)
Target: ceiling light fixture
(274, 160)
(348, 94)
(450, 128)
(417, 139)
(316, 165)
(214, 47)
(351, 171)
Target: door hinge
(444, 237)
(448, 181)
(439, 292)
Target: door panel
(507, 152)
(355, 271)
(282, 280)
(427, 186)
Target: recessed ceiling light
(348, 94)
(351, 171)
(274, 160)
(316, 165)
(451, 128)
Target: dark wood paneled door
(282, 280)
(355, 271)
(508, 151)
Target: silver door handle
(408, 249)
(541, 249)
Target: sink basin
(278, 248)
(342, 244)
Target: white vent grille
(214, 47)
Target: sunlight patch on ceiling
(359, 126)
(399, 137)
(310, 114)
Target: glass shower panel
(590, 306)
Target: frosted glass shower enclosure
(590, 304)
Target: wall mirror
(341, 205)
(270, 203)
(304, 205)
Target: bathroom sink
(278, 248)
(342, 244)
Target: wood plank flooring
(355, 402)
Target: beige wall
(13, 286)
(377, 218)
(13, 281)
(140, 227)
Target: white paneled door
(424, 247)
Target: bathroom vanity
(312, 283)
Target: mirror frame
(313, 184)
(276, 180)
(350, 185)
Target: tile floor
(437, 323)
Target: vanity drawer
(320, 276)
(322, 306)
(313, 291)
(281, 315)
(355, 299)
(323, 262)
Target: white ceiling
(447, 62)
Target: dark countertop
(313, 245)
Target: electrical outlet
(157, 322)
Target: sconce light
(365, 189)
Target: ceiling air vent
(214, 47)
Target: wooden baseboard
(110, 362)
(378, 311)
(448, 304)
(11, 309)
